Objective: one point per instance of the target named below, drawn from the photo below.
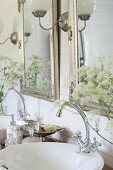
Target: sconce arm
(26, 40)
(13, 38)
(63, 23)
(83, 27)
(47, 29)
(5, 40)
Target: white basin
(48, 156)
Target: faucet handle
(96, 144)
(77, 135)
(23, 115)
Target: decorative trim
(20, 2)
(19, 44)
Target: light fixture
(84, 10)
(13, 38)
(40, 7)
(14, 35)
(27, 29)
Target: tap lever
(78, 139)
(78, 134)
(96, 144)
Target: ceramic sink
(48, 156)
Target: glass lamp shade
(85, 7)
(1, 25)
(37, 5)
(27, 27)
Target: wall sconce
(14, 36)
(39, 9)
(84, 10)
(27, 29)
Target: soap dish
(46, 130)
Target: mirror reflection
(95, 41)
(41, 52)
(37, 52)
(95, 53)
(8, 29)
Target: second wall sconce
(39, 9)
(14, 35)
(13, 38)
(84, 10)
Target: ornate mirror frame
(73, 44)
(54, 94)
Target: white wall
(46, 111)
(9, 16)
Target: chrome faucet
(85, 146)
(12, 122)
(22, 113)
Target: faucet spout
(23, 116)
(82, 114)
(86, 145)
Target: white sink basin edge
(49, 156)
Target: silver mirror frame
(73, 43)
(54, 94)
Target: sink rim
(71, 148)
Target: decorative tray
(44, 130)
(51, 129)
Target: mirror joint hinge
(70, 34)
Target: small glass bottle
(9, 140)
(17, 135)
(14, 136)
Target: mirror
(94, 49)
(95, 42)
(39, 53)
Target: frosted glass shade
(1, 25)
(27, 27)
(85, 7)
(40, 5)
